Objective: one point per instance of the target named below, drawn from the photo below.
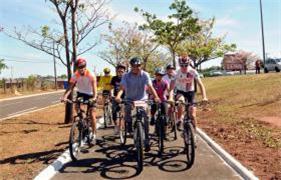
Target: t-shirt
(135, 85)
(185, 81)
(84, 83)
(168, 79)
(160, 88)
(104, 83)
(115, 82)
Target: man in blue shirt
(135, 83)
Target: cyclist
(184, 83)
(86, 85)
(161, 86)
(115, 83)
(104, 83)
(170, 73)
(134, 83)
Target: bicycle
(141, 128)
(81, 127)
(160, 126)
(172, 116)
(107, 111)
(188, 134)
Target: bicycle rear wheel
(105, 116)
(188, 135)
(75, 141)
(123, 133)
(173, 124)
(161, 134)
(138, 138)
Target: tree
(127, 41)
(31, 81)
(203, 46)
(248, 59)
(2, 65)
(63, 76)
(179, 27)
(78, 19)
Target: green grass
(241, 100)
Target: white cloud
(226, 22)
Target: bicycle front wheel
(188, 135)
(161, 134)
(138, 138)
(75, 141)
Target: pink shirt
(160, 88)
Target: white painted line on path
(21, 97)
(52, 169)
(20, 112)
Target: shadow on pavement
(120, 161)
(45, 156)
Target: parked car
(272, 65)
(216, 73)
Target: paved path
(107, 160)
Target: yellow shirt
(104, 83)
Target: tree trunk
(174, 57)
(145, 63)
(68, 108)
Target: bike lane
(107, 160)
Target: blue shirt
(135, 85)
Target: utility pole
(55, 67)
(262, 34)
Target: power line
(24, 58)
(27, 61)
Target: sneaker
(179, 126)
(152, 121)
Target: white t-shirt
(168, 79)
(185, 81)
(84, 83)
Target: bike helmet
(135, 61)
(81, 62)
(159, 71)
(184, 60)
(106, 70)
(170, 66)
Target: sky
(239, 20)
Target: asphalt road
(107, 160)
(17, 106)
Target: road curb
(52, 169)
(39, 94)
(230, 160)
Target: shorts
(85, 97)
(105, 93)
(187, 96)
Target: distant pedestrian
(258, 66)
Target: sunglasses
(183, 65)
(81, 67)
